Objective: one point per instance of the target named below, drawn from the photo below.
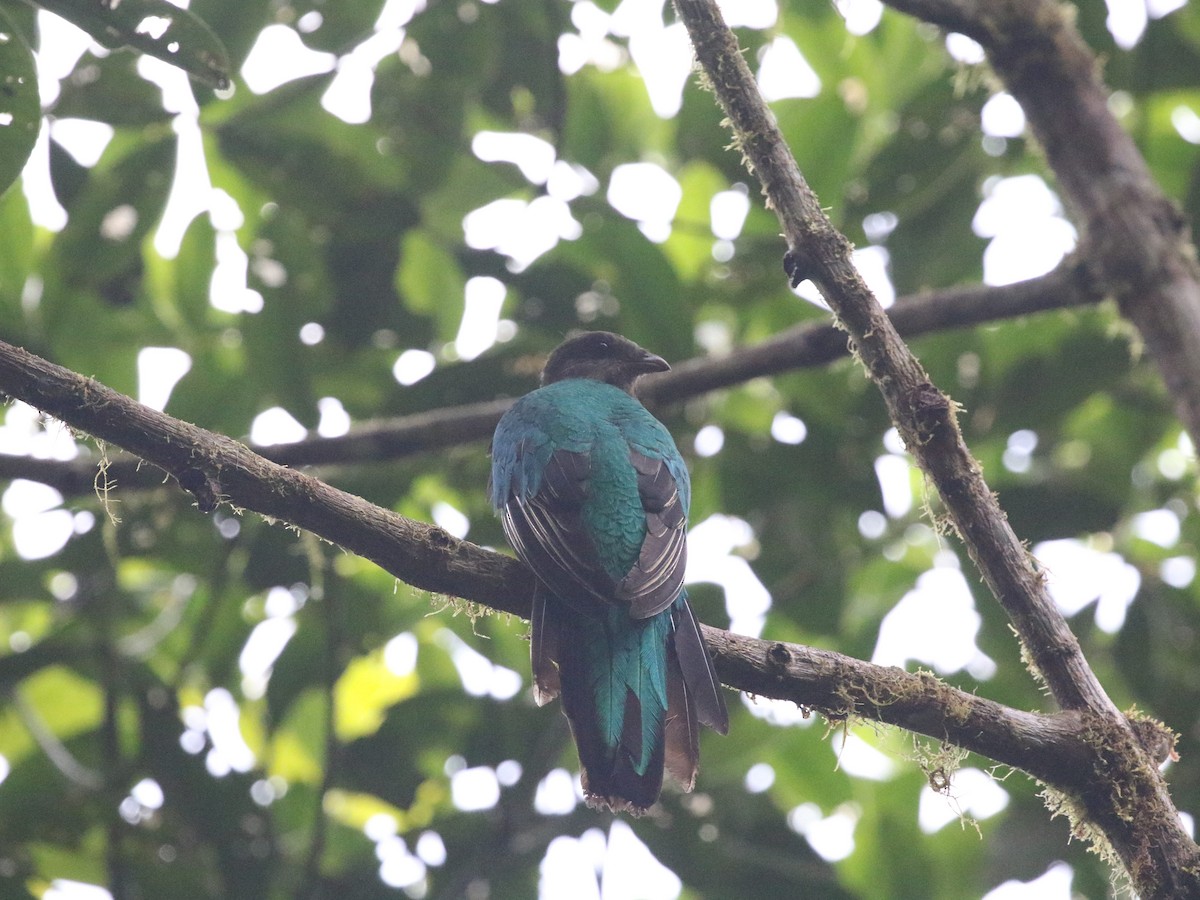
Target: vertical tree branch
(923, 415)
(1129, 805)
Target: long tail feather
(635, 693)
(697, 667)
(682, 730)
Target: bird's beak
(652, 363)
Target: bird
(593, 495)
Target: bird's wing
(549, 534)
(543, 519)
(657, 577)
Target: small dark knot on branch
(207, 491)
(930, 409)
(440, 539)
(1173, 220)
(779, 655)
(798, 266)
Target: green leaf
(112, 91)
(16, 234)
(20, 103)
(156, 28)
(430, 282)
(118, 205)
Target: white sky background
(1020, 216)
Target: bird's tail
(694, 695)
(612, 673)
(634, 691)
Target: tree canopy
(350, 240)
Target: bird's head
(601, 356)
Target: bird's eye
(603, 345)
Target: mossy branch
(1049, 747)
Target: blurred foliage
(147, 749)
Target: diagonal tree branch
(841, 686)
(804, 346)
(1052, 748)
(923, 415)
(216, 469)
(1135, 816)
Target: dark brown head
(601, 356)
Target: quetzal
(593, 496)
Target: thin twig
(818, 343)
(54, 749)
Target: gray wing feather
(657, 577)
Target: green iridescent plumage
(594, 497)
